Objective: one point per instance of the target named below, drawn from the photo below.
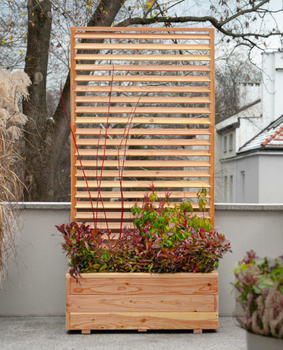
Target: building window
(225, 189)
(231, 189)
(225, 144)
(230, 142)
(243, 185)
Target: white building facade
(242, 174)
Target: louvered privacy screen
(142, 105)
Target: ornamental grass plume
(13, 88)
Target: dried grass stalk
(13, 87)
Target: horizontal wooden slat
(116, 205)
(133, 46)
(140, 29)
(145, 78)
(116, 226)
(143, 142)
(138, 283)
(145, 89)
(185, 58)
(145, 163)
(144, 184)
(143, 120)
(152, 303)
(142, 110)
(135, 194)
(140, 100)
(139, 36)
(144, 173)
(144, 320)
(142, 68)
(132, 131)
(144, 153)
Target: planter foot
(197, 331)
(86, 331)
(142, 330)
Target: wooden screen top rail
(140, 100)
(94, 57)
(118, 205)
(144, 78)
(143, 120)
(143, 173)
(139, 36)
(142, 142)
(144, 163)
(141, 68)
(139, 29)
(145, 89)
(132, 131)
(144, 184)
(132, 46)
(136, 194)
(144, 152)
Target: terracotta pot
(142, 301)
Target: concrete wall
(36, 284)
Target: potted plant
(259, 283)
(159, 275)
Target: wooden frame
(170, 90)
(142, 301)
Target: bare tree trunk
(45, 138)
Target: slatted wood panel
(142, 301)
(142, 106)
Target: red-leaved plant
(165, 239)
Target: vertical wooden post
(73, 124)
(212, 126)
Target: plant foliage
(260, 286)
(166, 238)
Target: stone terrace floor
(48, 333)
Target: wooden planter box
(142, 301)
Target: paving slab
(48, 333)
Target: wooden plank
(118, 205)
(73, 124)
(148, 320)
(142, 68)
(161, 57)
(144, 78)
(139, 283)
(141, 100)
(143, 173)
(144, 303)
(142, 110)
(140, 29)
(141, 36)
(136, 194)
(146, 89)
(145, 163)
(133, 46)
(143, 152)
(212, 128)
(142, 142)
(144, 184)
(143, 120)
(133, 131)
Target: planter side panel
(142, 301)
